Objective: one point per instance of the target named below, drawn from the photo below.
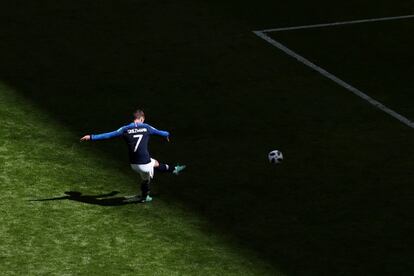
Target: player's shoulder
(141, 125)
(125, 127)
(146, 125)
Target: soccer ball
(275, 157)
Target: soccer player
(136, 135)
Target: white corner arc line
(338, 23)
(335, 79)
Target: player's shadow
(102, 199)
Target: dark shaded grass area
(375, 57)
(339, 206)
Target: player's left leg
(146, 171)
(145, 191)
(162, 167)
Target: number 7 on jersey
(139, 136)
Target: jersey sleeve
(108, 135)
(153, 130)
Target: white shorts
(146, 171)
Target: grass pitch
(339, 205)
(41, 160)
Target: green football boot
(147, 199)
(178, 169)
(137, 199)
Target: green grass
(339, 205)
(41, 159)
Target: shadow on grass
(102, 199)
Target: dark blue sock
(164, 168)
(145, 188)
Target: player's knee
(156, 163)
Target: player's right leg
(162, 167)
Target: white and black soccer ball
(275, 157)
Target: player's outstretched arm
(103, 136)
(162, 133)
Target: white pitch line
(335, 79)
(338, 23)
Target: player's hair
(139, 113)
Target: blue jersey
(136, 135)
